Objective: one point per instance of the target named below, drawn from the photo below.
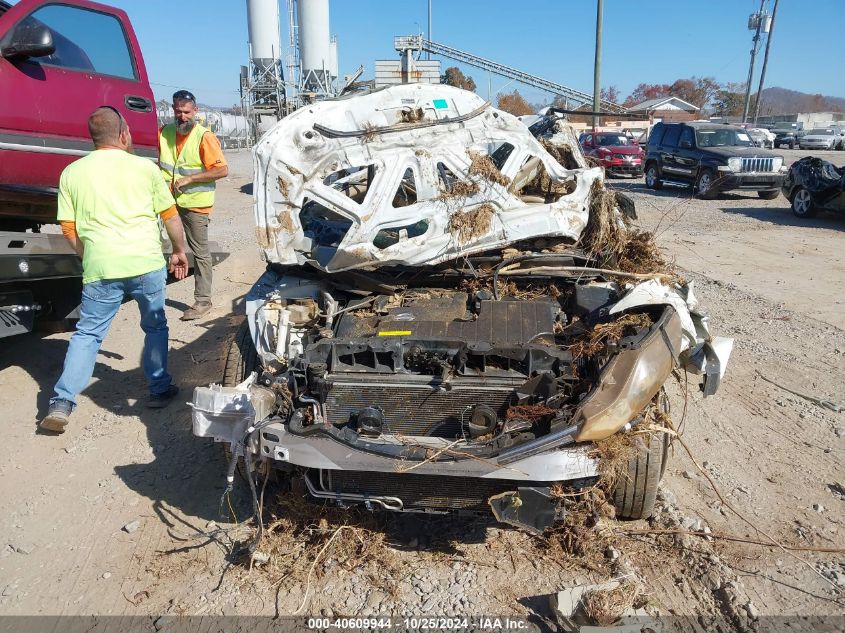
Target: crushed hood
(392, 178)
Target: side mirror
(685, 145)
(28, 39)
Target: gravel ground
(120, 515)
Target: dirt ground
(121, 515)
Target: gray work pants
(196, 234)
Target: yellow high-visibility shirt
(114, 198)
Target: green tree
(454, 77)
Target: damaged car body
(417, 342)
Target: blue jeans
(100, 303)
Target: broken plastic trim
(403, 127)
(532, 509)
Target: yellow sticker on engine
(395, 333)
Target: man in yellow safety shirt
(110, 203)
(191, 160)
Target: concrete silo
(314, 46)
(262, 86)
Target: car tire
(704, 185)
(802, 203)
(637, 482)
(241, 361)
(792, 146)
(769, 195)
(652, 177)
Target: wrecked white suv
(425, 336)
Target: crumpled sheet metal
(295, 157)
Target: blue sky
(200, 46)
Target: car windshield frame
(597, 140)
(721, 137)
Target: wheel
(636, 485)
(652, 177)
(802, 203)
(768, 195)
(841, 145)
(241, 361)
(792, 146)
(704, 185)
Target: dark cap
(184, 95)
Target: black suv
(711, 158)
(790, 138)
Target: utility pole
(428, 53)
(765, 61)
(597, 67)
(754, 44)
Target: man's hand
(182, 182)
(179, 265)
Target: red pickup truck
(58, 62)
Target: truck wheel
(802, 204)
(768, 195)
(652, 177)
(241, 361)
(704, 185)
(636, 486)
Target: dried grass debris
(606, 233)
(459, 189)
(640, 254)
(562, 153)
(603, 334)
(369, 132)
(530, 412)
(307, 541)
(468, 225)
(483, 166)
(606, 606)
(283, 187)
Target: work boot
(57, 417)
(196, 311)
(161, 400)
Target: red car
(617, 153)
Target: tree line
(712, 97)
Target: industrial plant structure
(311, 60)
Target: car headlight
(629, 381)
(777, 163)
(735, 164)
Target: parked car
(616, 152)
(813, 184)
(823, 138)
(762, 137)
(711, 158)
(790, 138)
